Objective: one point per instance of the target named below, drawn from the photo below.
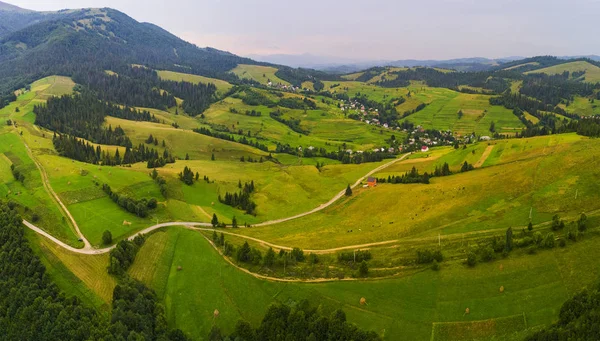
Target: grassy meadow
(592, 72)
(222, 86)
(261, 74)
(545, 176)
(410, 307)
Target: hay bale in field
(363, 301)
(212, 203)
(467, 311)
(179, 268)
(502, 289)
(126, 223)
(216, 313)
(68, 183)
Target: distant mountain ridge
(345, 65)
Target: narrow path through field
(484, 156)
(89, 250)
(46, 183)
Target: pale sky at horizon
(370, 29)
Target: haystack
(216, 313)
(502, 289)
(363, 301)
(126, 223)
(467, 311)
(179, 268)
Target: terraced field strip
(478, 330)
(484, 156)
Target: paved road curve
(89, 250)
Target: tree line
(137, 207)
(302, 322)
(80, 150)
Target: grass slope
(261, 74)
(222, 86)
(592, 72)
(400, 308)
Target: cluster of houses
(285, 87)
(358, 111)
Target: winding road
(89, 250)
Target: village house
(371, 182)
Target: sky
(361, 30)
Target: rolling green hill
(591, 72)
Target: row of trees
(292, 123)
(137, 207)
(228, 137)
(302, 322)
(242, 198)
(80, 150)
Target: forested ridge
(83, 115)
(58, 46)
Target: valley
(175, 191)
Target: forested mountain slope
(66, 41)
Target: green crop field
(443, 106)
(261, 74)
(592, 72)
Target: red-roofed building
(371, 182)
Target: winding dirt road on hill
(46, 183)
(89, 250)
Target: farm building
(371, 182)
(424, 149)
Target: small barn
(371, 182)
(424, 149)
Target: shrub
(582, 223)
(313, 259)
(548, 241)
(471, 258)
(428, 256)
(435, 266)
(363, 269)
(537, 237)
(297, 254)
(35, 218)
(573, 234)
(524, 242)
(562, 242)
(107, 237)
(349, 256)
(498, 244)
(487, 253)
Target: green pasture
(222, 86)
(261, 74)
(194, 281)
(592, 72)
